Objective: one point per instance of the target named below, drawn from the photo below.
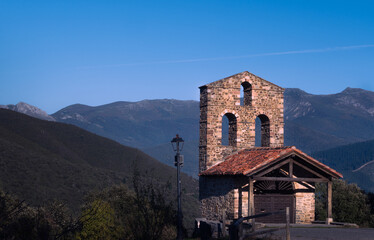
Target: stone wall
(305, 204)
(241, 203)
(305, 207)
(223, 97)
(219, 196)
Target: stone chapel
(240, 179)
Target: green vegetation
(114, 213)
(143, 213)
(99, 222)
(349, 204)
(20, 221)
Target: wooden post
(241, 231)
(223, 222)
(240, 202)
(250, 198)
(288, 236)
(290, 170)
(329, 202)
(251, 202)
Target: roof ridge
(243, 73)
(266, 148)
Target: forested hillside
(42, 160)
(354, 161)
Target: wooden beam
(307, 185)
(310, 170)
(288, 179)
(273, 168)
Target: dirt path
(358, 169)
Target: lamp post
(177, 144)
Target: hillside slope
(354, 161)
(42, 160)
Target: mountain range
(137, 124)
(312, 122)
(318, 122)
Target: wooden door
(272, 203)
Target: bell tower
(221, 98)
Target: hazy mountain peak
(295, 91)
(353, 90)
(297, 103)
(30, 110)
(357, 98)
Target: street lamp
(177, 144)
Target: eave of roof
(250, 161)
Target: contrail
(320, 50)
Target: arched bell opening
(262, 131)
(229, 130)
(246, 94)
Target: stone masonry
(221, 199)
(261, 99)
(305, 205)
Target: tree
(19, 221)
(153, 212)
(349, 204)
(144, 212)
(99, 222)
(63, 225)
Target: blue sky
(57, 53)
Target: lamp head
(175, 143)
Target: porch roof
(250, 161)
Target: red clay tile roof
(248, 161)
